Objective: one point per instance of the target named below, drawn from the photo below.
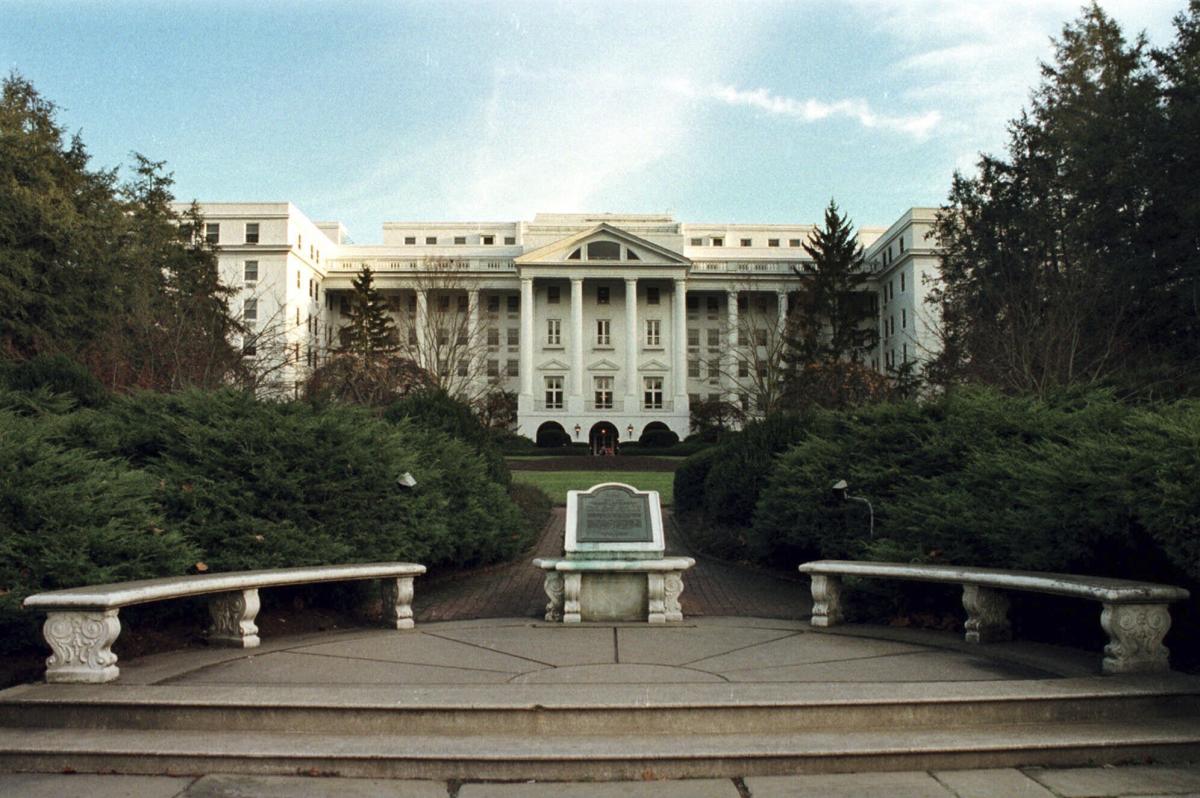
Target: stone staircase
(598, 731)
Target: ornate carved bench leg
(656, 611)
(397, 602)
(987, 615)
(81, 642)
(827, 600)
(1135, 635)
(554, 591)
(672, 587)
(571, 585)
(233, 615)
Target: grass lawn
(557, 483)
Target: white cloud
(813, 110)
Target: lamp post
(578, 429)
(842, 489)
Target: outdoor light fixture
(842, 490)
(406, 480)
(629, 429)
(578, 429)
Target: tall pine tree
(829, 331)
(370, 331)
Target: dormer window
(604, 250)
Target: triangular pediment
(631, 250)
(554, 365)
(653, 365)
(604, 365)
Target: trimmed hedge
(438, 410)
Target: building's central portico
(605, 311)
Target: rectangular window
(902, 282)
(652, 296)
(693, 399)
(553, 294)
(493, 336)
(693, 338)
(718, 242)
(513, 338)
(410, 240)
(493, 304)
(250, 311)
(412, 303)
(693, 304)
(696, 242)
(510, 240)
(714, 372)
(250, 271)
(554, 332)
(460, 239)
(443, 304)
(901, 242)
(554, 393)
(212, 233)
(904, 353)
(760, 337)
(430, 239)
(462, 303)
(653, 332)
(713, 307)
(462, 338)
(903, 319)
(602, 330)
(743, 369)
(487, 241)
(604, 393)
(602, 295)
(297, 278)
(772, 242)
(443, 339)
(514, 303)
(742, 302)
(344, 305)
(412, 336)
(251, 232)
(793, 242)
(461, 368)
(746, 242)
(653, 394)
(714, 337)
(311, 285)
(694, 369)
(493, 368)
(393, 304)
(513, 368)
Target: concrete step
(599, 757)
(591, 710)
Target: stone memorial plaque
(614, 515)
(614, 519)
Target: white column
(781, 298)
(631, 345)
(731, 341)
(527, 343)
(422, 325)
(474, 366)
(577, 344)
(679, 336)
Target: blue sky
(368, 112)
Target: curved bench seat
(82, 623)
(1135, 615)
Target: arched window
(604, 250)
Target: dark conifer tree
(370, 330)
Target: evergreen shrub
(56, 374)
(70, 517)
(744, 461)
(436, 409)
(658, 439)
(689, 481)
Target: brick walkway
(514, 590)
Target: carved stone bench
(565, 582)
(1135, 615)
(82, 624)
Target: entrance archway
(551, 433)
(603, 438)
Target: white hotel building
(600, 323)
